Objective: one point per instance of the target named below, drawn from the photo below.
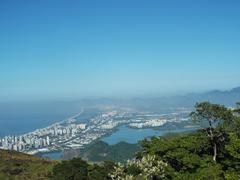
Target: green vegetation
(101, 151)
(15, 165)
(210, 153)
(217, 117)
(78, 169)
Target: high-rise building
(47, 140)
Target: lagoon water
(124, 133)
(130, 135)
(53, 155)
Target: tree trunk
(214, 152)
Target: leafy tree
(236, 124)
(238, 107)
(216, 116)
(210, 153)
(147, 168)
(101, 171)
(233, 147)
(78, 169)
(75, 169)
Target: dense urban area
(73, 133)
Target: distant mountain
(164, 104)
(228, 98)
(63, 109)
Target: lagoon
(52, 155)
(131, 135)
(127, 134)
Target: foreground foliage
(148, 167)
(210, 153)
(79, 169)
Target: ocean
(20, 118)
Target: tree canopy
(212, 152)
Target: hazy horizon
(61, 50)
(70, 99)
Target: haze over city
(54, 50)
(120, 89)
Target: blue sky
(56, 49)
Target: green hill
(101, 151)
(15, 165)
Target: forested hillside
(210, 153)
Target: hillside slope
(101, 151)
(15, 165)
